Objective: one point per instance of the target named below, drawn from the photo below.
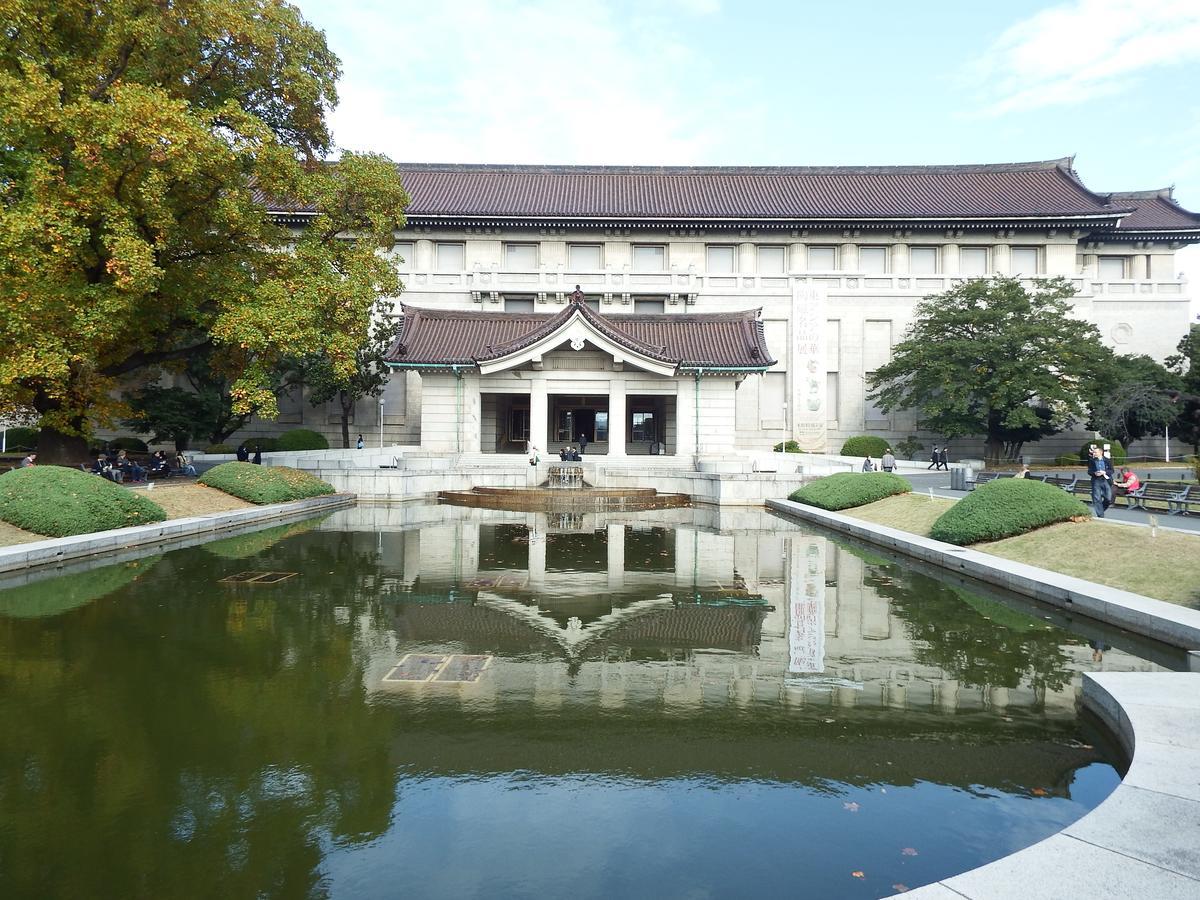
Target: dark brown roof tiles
(1155, 211)
(435, 337)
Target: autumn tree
(137, 144)
(367, 378)
(989, 357)
(1186, 364)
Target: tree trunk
(347, 409)
(57, 448)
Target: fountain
(565, 478)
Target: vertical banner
(806, 605)
(808, 368)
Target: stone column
(616, 417)
(685, 416)
(616, 556)
(538, 413)
(849, 258)
(747, 263)
(1137, 267)
(950, 260)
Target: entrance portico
(632, 384)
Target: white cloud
(526, 81)
(1079, 51)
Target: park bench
(1179, 499)
(1066, 482)
(985, 477)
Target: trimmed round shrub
(864, 445)
(131, 444)
(265, 444)
(1119, 456)
(57, 501)
(219, 448)
(849, 489)
(22, 438)
(301, 439)
(1004, 508)
(264, 484)
(787, 447)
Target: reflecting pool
(439, 701)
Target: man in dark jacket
(583, 442)
(1098, 471)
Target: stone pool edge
(55, 551)
(1140, 840)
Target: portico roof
(665, 343)
(1155, 216)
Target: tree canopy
(991, 357)
(1186, 364)
(1135, 399)
(137, 144)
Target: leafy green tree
(1135, 399)
(137, 143)
(368, 378)
(982, 358)
(1186, 364)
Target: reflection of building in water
(756, 610)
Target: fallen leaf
(851, 806)
(909, 851)
(859, 874)
(1038, 792)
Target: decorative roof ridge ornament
(577, 296)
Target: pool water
(438, 701)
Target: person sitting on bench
(1128, 481)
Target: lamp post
(381, 403)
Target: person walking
(243, 454)
(257, 456)
(583, 442)
(944, 458)
(888, 461)
(360, 443)
(1098, 472)
(867, 465)
(1112, 473)
(933, 458)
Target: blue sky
(755, 83)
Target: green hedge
(1003, 508)
(264, 484)
(301, 439)
(265, 444)
(1119, 456)
(849, 489)
(22, 438)
(58, 502)
(864, 445)
(131, 444)
(219, 448)
(787, 447)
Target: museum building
(702, 311)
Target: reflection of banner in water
(808, 365)
(806, 605)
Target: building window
(518, 304)
(822, 259)
(772, 260)
(405, 255)
(649, 305)
(873, 260)
(450, 257)
(585, 257)
(521, 257)
(649, 257)
(643, 427)
(1113, 268)
(518, 425)
(1026, 261)
(923, 260)
(722, 259)
(973, 261)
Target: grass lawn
(179, 501)
(1122, 556)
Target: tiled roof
(1155, 211)
(436, 337)
(1048, 189)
